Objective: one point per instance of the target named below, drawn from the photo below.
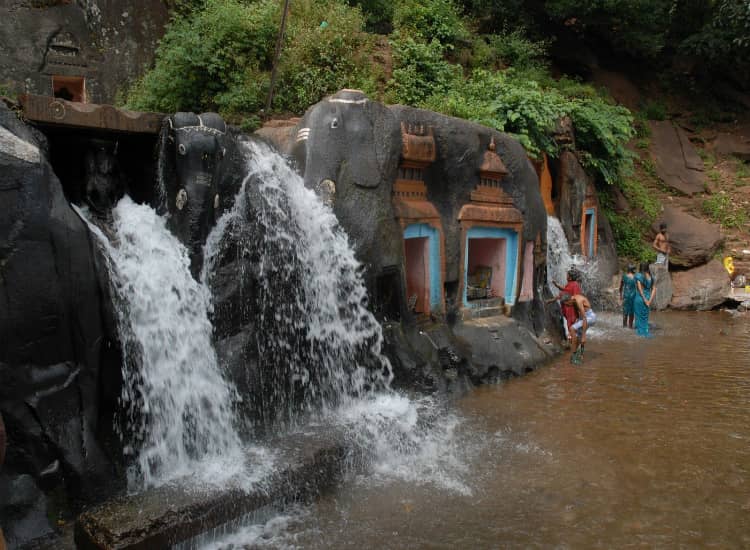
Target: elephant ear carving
(213, 121)
(166, 165)
(182, 120)
(373, 168)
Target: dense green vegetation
(483, 60)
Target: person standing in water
(643, 298)
(627, 296)
(662, 246)
(585, 317)
(568, 312)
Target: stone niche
(424, 248)
(490, 226)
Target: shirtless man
(585, 318)
(569, 316)
(661, 245)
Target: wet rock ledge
(307, 465)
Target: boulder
(663, 283)
(701, 288)
(57, 332)
(677, 162)
(694, 241)
(733, 144)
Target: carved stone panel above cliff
(108, 43)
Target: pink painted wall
(527, 285)
(489, 252)
(418, 272)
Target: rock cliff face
(59, 362)
(395, 175)
(106, 42)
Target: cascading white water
(560, 261)
(179, 406)
(316, 328)
(311, 302)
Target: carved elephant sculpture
(192, 148)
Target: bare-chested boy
(662, 246)
(585, 318)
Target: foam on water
(330, 342)
(177, 402)
(560, 261)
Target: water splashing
(178, 404)
(318, 344)
(560, 261)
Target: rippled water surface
(647, 444)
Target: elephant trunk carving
(194, 147)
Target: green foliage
(492, 16)
(741, 168)
(205, 58)
(635, 27)
(602, 131)
(513, 103)
(640, 198)
(219, 57)
(320, 60)
(6, 90)
(378, 14)
(725, 34)
(654, 110)
(419, 71)
(629, 234)
(721, 209)
(430, 20)
(514, 49)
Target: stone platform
(307, 465)
(53, 111)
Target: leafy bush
(640, 198)
(319, 60)
(629, 234)
(209, 53)
(419, 71)
(522, 107)
(515, 49)
(721, 209)
(378, 14)
(635, 27)
(430, 20)
(654, 110)
(219, 57)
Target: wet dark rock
(663, 283)
(307, 466)
(107, 43)
(57, 336)
(500, 348)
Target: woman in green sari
(644, 296)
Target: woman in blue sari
(627, 296)
(644, 296)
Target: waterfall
(178, 404)
(560, 261)
(318, 344)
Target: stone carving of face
(194, 195)
(104, 186)
(344, 140)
